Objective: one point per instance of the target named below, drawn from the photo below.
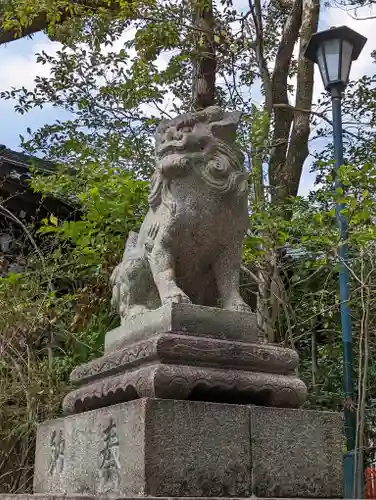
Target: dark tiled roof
(22, 160)
(14, 185)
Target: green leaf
(54, 220)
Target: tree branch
(41, 22)
(285, 4)
(255, 10)
(11, 216)
(320, 115)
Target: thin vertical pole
(349, 414)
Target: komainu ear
(225, 129)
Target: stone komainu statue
(188, 250)
(190, 244)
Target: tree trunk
(204, 57)
(291, 170)
(283, 116)
(290, 132)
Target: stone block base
(165, 448)
(23, 496)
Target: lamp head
(334, 50)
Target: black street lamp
(334, 50)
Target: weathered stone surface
(149, 447)
(199, 449)
(190, 244)
(186, 319)
(185, 448)
(85, 442)
(171, 348)
(173, 365)
(189, 382)
(296, 453)
(24, 496)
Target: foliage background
(56, 312)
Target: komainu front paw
(177, 298)
(238, 305)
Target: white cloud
(339, 17)
(21, 69)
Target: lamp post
(334, 50)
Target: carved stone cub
(190, 244)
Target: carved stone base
(188, 382)
(189, 352)
(172, 366)
(174, 348)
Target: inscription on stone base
(150, 447)
(194, 449)
(57, 447)
(109, 461)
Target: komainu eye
(184, 127)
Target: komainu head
(202, 142)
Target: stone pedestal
(166, 448)
(188, 402)
(183, 351)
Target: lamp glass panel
(322, 66)
(347, 50)
(332, 55)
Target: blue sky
(19, 68)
